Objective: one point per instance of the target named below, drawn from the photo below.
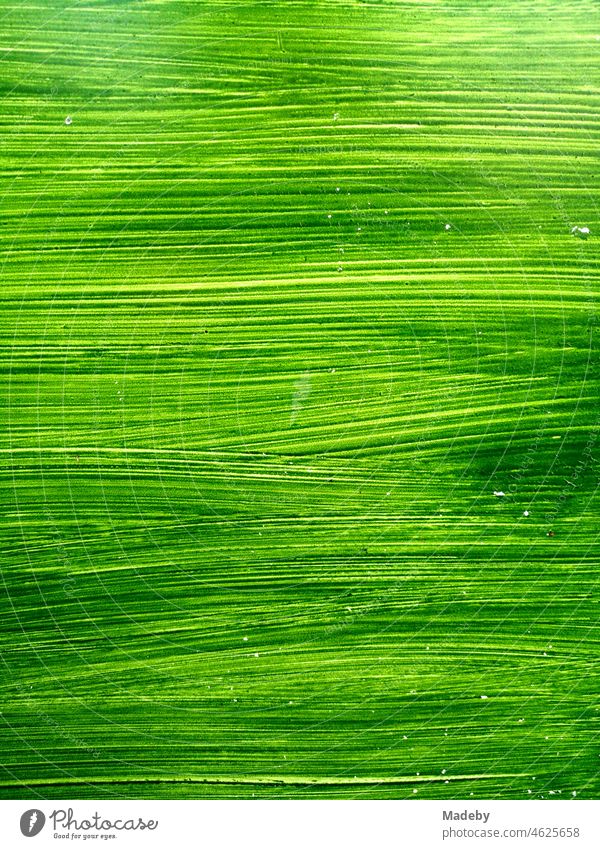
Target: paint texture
(301, 422)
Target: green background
(258, 398)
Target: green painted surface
(259, 398)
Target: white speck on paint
(484, 697)
(574, 793)
(337, 188)
(443, 772)
(68, 120)
(526, 512)
(415, 791)
(499, 494)
(447, 226)
(581, 232)
(336, 115)
(245, 639)
(256, 654)
(329, 215)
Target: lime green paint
(259, 397)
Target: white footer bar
(260, 824)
